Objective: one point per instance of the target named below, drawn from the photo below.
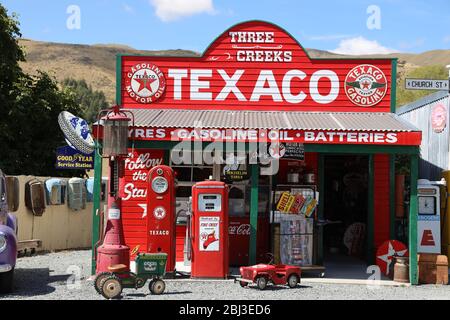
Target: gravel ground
(53, 277)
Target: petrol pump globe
(115, 134)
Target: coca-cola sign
(240, 229)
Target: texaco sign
(145, 83)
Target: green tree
(427, 72)
(29, 109)
(90, 101)
(10, 55)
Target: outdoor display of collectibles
(254, 83)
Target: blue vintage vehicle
(8, 241)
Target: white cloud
(128, 8)
(361, 46)
(170, 10)
(446, 39)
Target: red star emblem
(145, 82)
(365, 84)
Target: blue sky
(340, 26)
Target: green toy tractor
(148, 266)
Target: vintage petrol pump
(113, 250)
(209, 230)
(161, 220)
(429, 219)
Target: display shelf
(304, 238)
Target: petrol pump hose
(188, 237)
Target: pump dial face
(160, 185)
(427, 205)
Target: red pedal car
(262, 274)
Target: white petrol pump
(429, 218)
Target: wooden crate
(432, 268)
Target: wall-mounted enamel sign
(439, 118)
(76, 131)
(255, 66)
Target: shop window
(183, 173)
(187, 174)
(183, 192)
(236, 202)
(201, 173)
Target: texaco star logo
(145, 83)
(277, 150)
(365, 85)
(386, 253)
(159, 213)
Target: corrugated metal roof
(336, 121)
(422, 102)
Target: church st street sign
(426, 84)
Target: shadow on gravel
(34, 282)
(276, 288)
(150, 295)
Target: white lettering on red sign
(259, 66)
(137, 168)
(351, 137)
(265, 85)
(240, 230)
(159, 232)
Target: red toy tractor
(262, 274)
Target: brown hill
(96, 63)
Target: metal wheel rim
(98, 281)
(158, 287)
(262, 282)
(293, 281)
(112, 288)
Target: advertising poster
(209, 233)
(70, 158)
(134, 200)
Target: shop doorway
(345, 208)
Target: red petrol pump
(209, 230)
(161, 220)
(113, 250)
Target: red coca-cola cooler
(239, 225)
